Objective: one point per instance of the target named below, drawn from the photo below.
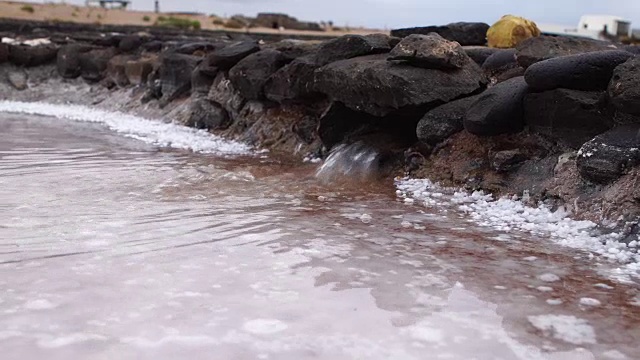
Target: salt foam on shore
(512, 215)
(150, 131)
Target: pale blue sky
(404, 13)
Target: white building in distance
(592, 26)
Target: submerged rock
(430, 52)
(374, 85)
(350, 46)
(588, 71)
(250, 74)
(440, 123)
(610, 155)
(624, 88)
(465, 33)
(499, 110)
(542, 48)
(571, 116)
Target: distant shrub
(99, 16)
(178, 23)
(28, 8)
(146, 18)
(219, 22)
(234, 24)
(74, 14)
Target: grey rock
(479, 54)
(251, 74)
(293, 82)
(440, 123)
(175, 75)
(350, 46)
(624, 88)
(540, 48)
(507, 160)
(207, 114)
(18, 79)
(228, 56)
(93, 64)
(29, 56)
(430, 51)
(68, 59)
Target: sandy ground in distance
(97, 15)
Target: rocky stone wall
(555, 117)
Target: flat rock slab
(374, 85)
(350, 46)
(430, 52)
(588, 71)
(230, 55)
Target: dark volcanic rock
(28, 56)
(4, 53)
(350, 46)
(195, 48)
(430, 51)
(153, 46)
(251, 73)
(338, 122)
(374, 85)
(507, 160)
(224, 93)
(68, 59)
(634, 49)
(230, 55)
(175, 75)
(292, 82)
(572, 116)
(502, 65)
(138, 70)
(18, 79)
(462, 32)
(480, 54)
(294, 48)
(206, 114)
(610, 155)
(440, 123)
(498, 110)
(542, 48)
(94, 63)
(131, 43)
(116, 70)
(624, 88)
(588, 71)
(202, 78)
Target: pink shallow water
(114, 249)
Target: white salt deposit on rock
(566, 328)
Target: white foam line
(150, 131)
(508, 214)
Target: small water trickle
(356, 161)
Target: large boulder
(293, 82)
(430, 51)
(138, 70)
(498, 110)
(175, 75)
(466, 34)
(350, 46)
(131, 43)
(28, 56)
(207, 114)
(624, 88)
(94, 63)
(294, 48)
(440, 123)
(228, 56)
(250, 74)
(571, 116)
(511, 30)
(224, 93)
(610, 155)
(4, 53)
(536, 49)
(202, 78)
(589, 71)
(502, 65)
(68, 59)
(479, 54)
(374, 85)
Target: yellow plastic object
(510, 30)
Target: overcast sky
(405, 13)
